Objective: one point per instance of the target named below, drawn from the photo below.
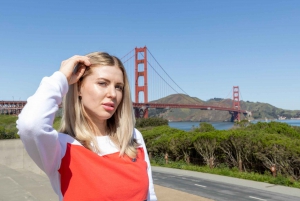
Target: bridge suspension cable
(241, 96)
(128, 59)
(161, 76)
(127, 55)
(189, 100)
(226, 97)
(166, 72)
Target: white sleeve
(151, 192)
(35, 123)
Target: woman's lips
(108, 106)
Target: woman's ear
(79, 87)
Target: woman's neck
(101, 128)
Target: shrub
(150, 122)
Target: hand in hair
(67, 68)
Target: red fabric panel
(86, 176)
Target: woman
(96, 154)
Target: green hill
(259, 110)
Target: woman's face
(102, 91)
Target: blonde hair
(120, 127)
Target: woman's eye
(104, 84)
(119, 87)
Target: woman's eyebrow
(102, 78)
(105, 79)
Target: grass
(8, 120)
(56, 123)
(230, 172)
(8, 128)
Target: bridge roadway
(11, 107)
(15, 107)
(201, 107)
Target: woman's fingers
(81, 59)
(67, 68)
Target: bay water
(189, 125)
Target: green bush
(276, 127)
(204, 127)
(56, 123)
(8, 120)
(247, 149)
(157, 139)
(8, 128)
(8, 133)
(150, 122)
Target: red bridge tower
(236, 103)
(141, 72)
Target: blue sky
(207, 47)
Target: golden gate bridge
(139, 59)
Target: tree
(181, 144)
(237, 145)
(206, 145)
(281, 152)
(204, 127)
(148, 122)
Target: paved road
(222, 188)
(216, 190)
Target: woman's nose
(112, 92)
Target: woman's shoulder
(138, 136)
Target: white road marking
(257, 198)
(200, 185)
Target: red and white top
(75, 172)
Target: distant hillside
(179, 98)
(265, 110)
(259, 110)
